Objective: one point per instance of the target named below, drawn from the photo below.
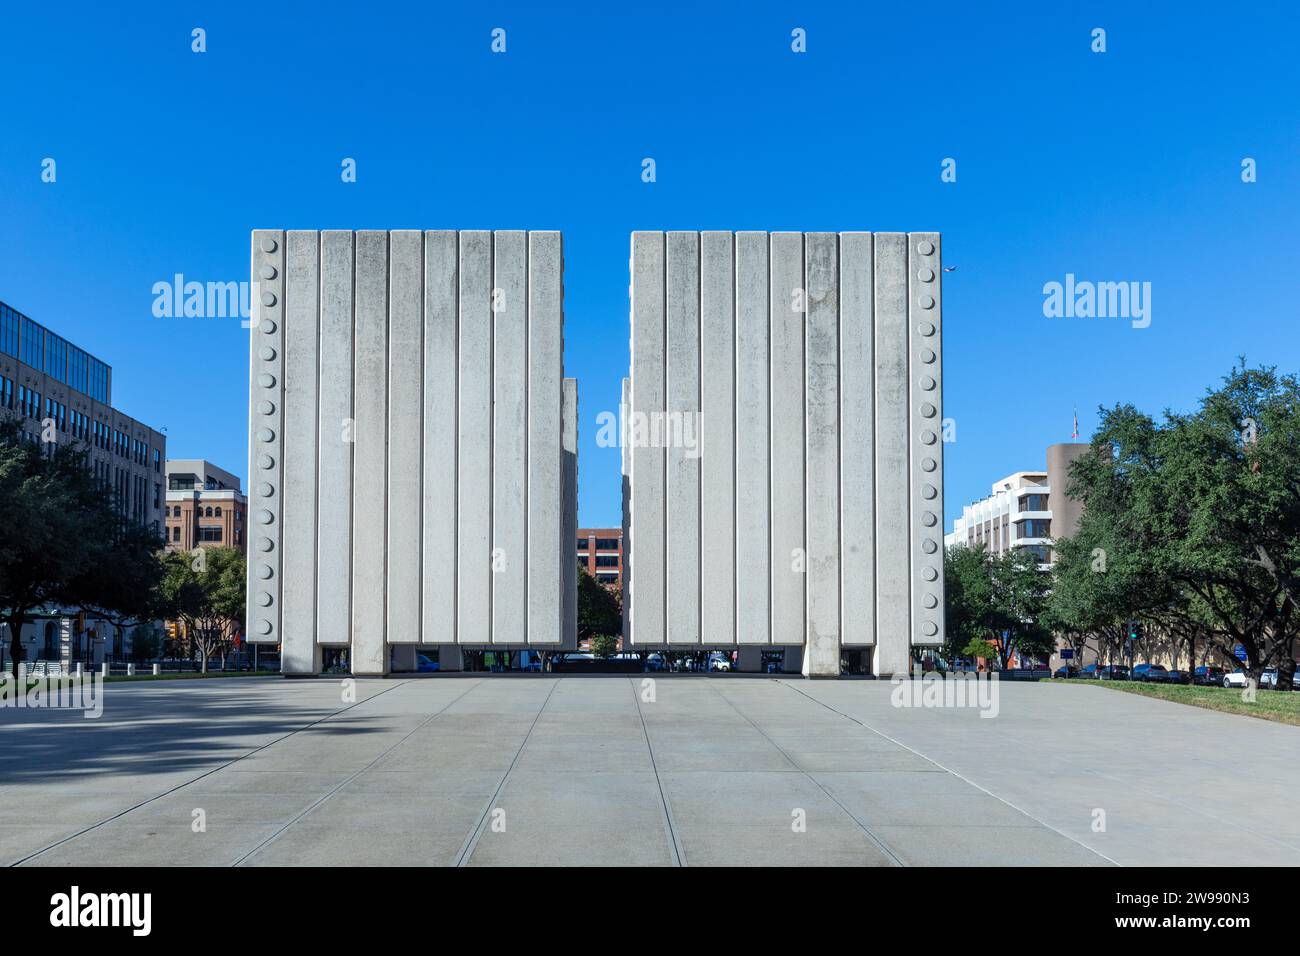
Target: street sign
(1067, 653)
(1239, 652)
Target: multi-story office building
(1027, 509)
(61, 393)
(205, 507)
(601, 551)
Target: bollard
(130, 670)
(78, 670)
(157, 670)
(103, 669)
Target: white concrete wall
(426, 428)
(815, 360)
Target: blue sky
(1122, 166)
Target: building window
(176, 534)
(607, 544)
(607, 560)
(218, 511)
(210, 534)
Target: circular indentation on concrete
(927, 383)
(266, 353)
(927, 464)
(268, 271)
(265, 516)
(929, 573)
(268, 244)
(264, 627)
(928, 492)
(266, 380)
(927, 356)
(929, 519)
(930, 628)
(925, 247)
(928, 546)
(266, 461)
(265, 544)
(927, 302)
(268, 325)
(264, 598)
(264, 571)
(930, 601)
(265, 489)
(927, 437)
(928, 410)
(266, 408)
(926, 328)
(266, 435)
(926, 275)
(268, 298)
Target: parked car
(655, 662)
(1180, 677)
(424, 664)
(1155, 673)
(1236, 678)
(1091, 672)
(1209, 676)
(1113, 672)
(1069, 670)
(719, 662)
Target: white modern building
(783, 465)
(1027, 509)
(412, 459)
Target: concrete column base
(297, 661)
(450, 657)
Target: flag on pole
(1075, 436)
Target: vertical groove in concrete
(548, 493)
(334, 445)
(474, 460)
(821, 657)
(370, 455)
(439, 449)
(648, 402)
(266, 440)
(788, 299)
(569, 498)
(509, 437)
(753, 451)
(857, 441)
(717, 439)
(299, 652)
(405, 435)
(678, 433)
(893, 551)
(925, 310)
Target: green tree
(63, 543)
(1019, 599)
(599, 610)
(968, 598)
(205, 591)
(604, 645)
(1209, 502)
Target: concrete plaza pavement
(536, 770)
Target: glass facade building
(32, 343)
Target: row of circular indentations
(264, 436)
(928, 383)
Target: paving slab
(728, 770)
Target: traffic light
(1134, 630)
